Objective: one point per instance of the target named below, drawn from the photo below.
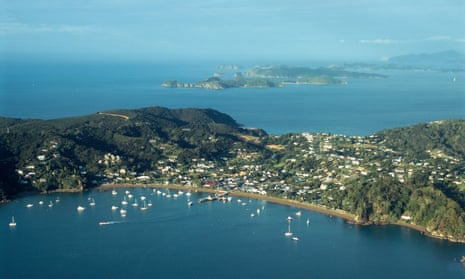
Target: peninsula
(412, 176)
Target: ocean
(217, 240)
(362, 107)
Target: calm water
(217, 240)
(208, 240)
(360, 108)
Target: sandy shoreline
(351, 218)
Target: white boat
(308, 221)
(298, 213)
(144, 207)
(114, 207)
(149, 203)
(289, 218)
(80, 208)
(50, 204)
(295, 238)
(92, 202)
(252, 215)
(188, 194)
(190, 203)
(41, 202)
(13, 222)
(114, 193)
(288, 233)
(29, 205)
(130, 196)
(124, 202)
(142, 198)
(123, 212)
(135, 204)
(127, 192)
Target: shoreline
(346, 216)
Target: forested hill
(413, 174)
(419, 141)
(74, 153)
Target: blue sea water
(208, 240)
(217, 240)
(362, 107)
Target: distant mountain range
(443, 59)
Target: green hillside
(413, 175)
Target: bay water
(206, 240)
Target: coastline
(348, 217)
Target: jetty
(218, 196)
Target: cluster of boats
(289, 233)
(135, 202)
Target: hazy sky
(248, 29)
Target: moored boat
(13, 222)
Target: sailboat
(13, 222)
(144, 207)
(288, 233)
(124, 202)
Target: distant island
(412, 176)
(274, 76)
(444, 61)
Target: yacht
(144, 207)
(29, 205)
(114, 207)
(13, 222)
(123, 212)
(288, 233)
(92, 202)
(295, 238)
(50, 204)
(114, 193)
(124, 202)
(80, 208)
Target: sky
(239, 29)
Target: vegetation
(414, 174)
(275, 76)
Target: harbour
(169, 234)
